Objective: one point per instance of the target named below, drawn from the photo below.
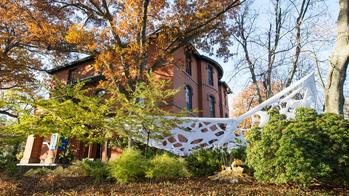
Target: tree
(70, 112)
(75, 112)
(140, 113)
(17, 62)
(338, 65)
(127, 38)
(248, 98)
(282, 50)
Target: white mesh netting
(196, 133)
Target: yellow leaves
(78, 35)
(75, 34)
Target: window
(188, 98)
(72, 76)
(226, 115)
(211, 103)
(188, 63)
(210, 75)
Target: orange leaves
(113, 31)
(75, 34)
(80, 36)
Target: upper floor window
(210, 75)
(72, 76)
(188, 98)
(188, 63)
(211, 102)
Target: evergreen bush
(310, 148)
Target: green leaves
(140, 112)
(311, 148)
(129, 167)
(167, 167)
(76, 112)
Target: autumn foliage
(247, 99)
(127, 37)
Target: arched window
(211, 105)
(188, 98)
(210, 75)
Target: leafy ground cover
(48, 185)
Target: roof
(71, 64)
(226, 86)
(90, 58)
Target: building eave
(213, 62)
(229, 91)
(70, 65)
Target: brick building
(197, 76)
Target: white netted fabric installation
(196, 133)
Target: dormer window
(188, 98)
(210, 74)
(188, 63)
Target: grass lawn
(48, 185)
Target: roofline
(89, 58)
(71, 64)
(217, 65)
(226, 86)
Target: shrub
(37, 172)
(8, 164)
(96, 169)
(74, 170)
(205, 162)
(237, 153)
(10, 147)
(166, 167)
(311, 148)
(129, 167)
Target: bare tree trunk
(334, 97)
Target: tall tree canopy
(126, 37)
